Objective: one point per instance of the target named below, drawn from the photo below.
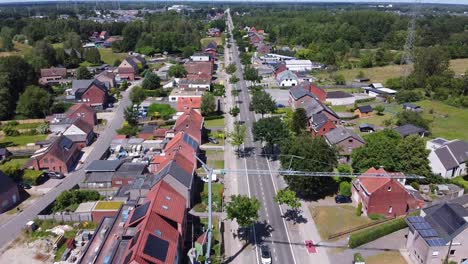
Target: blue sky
(464, 2)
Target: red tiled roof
(204, 68)
(120, 136)
(191, 123)
(178, 144)
(167, 202)
(186, 103)
(372, 184)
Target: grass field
(391, 257)
(108, 205)
(214, 123)
(205, 41)
(380, 74)
(19, 50)
(216, 164)
(333, 219)
(109, 57)
(21, 140)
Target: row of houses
(151, 225)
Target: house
(263, 49)
(448, 158)
(213, 32)
(340, 98)
(366, 128)
(320, 93)
(80, 133)
(191, 123)
(363, 111)
(52, 76)
(298, 65)
(199, 70)
(108, 78)
(211, 48)
(60, 156)
(128, 172)
(184, 104)
(439, 232)
(104, 35)
(147, 132)
(381, 193)
(4, 154)
(320, 124)
(9, 193)
(376, 85)
(127, 69)
(287, 78)
(83, 111)
(195, 84)
(99, 173)
(200, 57)
(90, 92)
(344, 140)
(410, 129)
(411, 107)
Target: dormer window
(389, 188)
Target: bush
(169, 122)
(415, 185)
(345, 188)
(372, 233)
(128, 130)
(460, 181)
(31, 176)
(358, 257)
(72, 198)
(11, 132)
(155, 93)
(366, 100)
(359, 209)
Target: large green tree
(430, 61)
(83, 73)
(92, 55)
(315, 156)
(243, 209)
(131, 116)
(151, 81)
(251, 74)
(35, 102)
(72, 41)
(271, 130)
(177, 71)
(299, 120)
(413, 156)
(288, 197)
(208, 104)
(411, 117)
(237, 136)
(137, 95)
(262, 102)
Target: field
(214, 123)
(109, 57)
(333, 219)
(21, 140)
(380, 74)
(205, 41)
(20, 50)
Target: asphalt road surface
(11, 229)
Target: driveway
(279, 95)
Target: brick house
(9, 193)
(90, 92)
(108, 78)
(80, 132)
(345, 140)
(382, 193)
(52, 76)
(83, 111)
(127, 69)
(320, 125)
(60, 156)
(184, 104)
(364, 111)
(318, 92)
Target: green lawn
(391, 257)
(376, 120)
(214, 154)
(15, 162)
(217, 190)
(19, 50)
(341, 108)
(205, 41)
(27, 126)
(216, 164)
(21, 140)
(214, 123)
(334, 219)
(108, 205)
(109, 57)
(447, 121)
(216, 257)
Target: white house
(200, 57)
(274, 58)
(448, 158)
(299, 65)
(340, 98)
(287, 79)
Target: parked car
(343, 199)
(55, 175)
(213, 140)
(280, 105)
(266, 255)
(214, 178)
(24, 185)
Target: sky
(464, 2)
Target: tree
(407, 96)
(34, 102)
(217, 89)
(83, 74)
(288, 197)
(316, 155)
(251, 74)
(177, 71)
(137, 95)
(151, 81)
(262, 103)
(237, 136)
(92, 55)
(379, 109)
(72, 41)
(243, 209)
(299, 121)
(208, 104)
(339, 79)
(131, 116)
(271, 130)
(233, 79)
(6, 35)
(430, 61)
(345, 188)
(234, 111)
(411, 117)
(231, 68)
(43, 55)
(414, 156)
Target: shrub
(128, 130)
(358, 257)
(460, 181)
(31, 176)
(213, 117)
(359, 209)
(10, 132)
(372, 233)
(366, 100)
(344, 168)
(415, 185)
(345, 188)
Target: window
(390, 209)
(118, 182)
(452, 252)
(435, 253)
(350, 141)
(389, 188)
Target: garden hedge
(372, 233)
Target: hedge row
(366, 100)
(213, 117)
(372, 233)
(349, 118)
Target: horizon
(451, 2)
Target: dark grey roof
(80, 85)
(65, 143)
(459, 149)
(409, 129)
(104, 176)
(103, 165)
(339, 134)
(338, 94)
(439, 141)
(178, 173)
(365, 108)
(319, 120)
(297, 92)
(365, 125)
(131, 170)
(77, 138)
(448, 219)
(410, 105)
(139, 212)
(6, 183)
(446, 158)
(147, 129)
(4, 151)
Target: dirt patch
(37, 252)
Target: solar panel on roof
(416, 219)
(189, 140)
(139, 212)
(436, 242)
(421, 226)
(428, 233)
(156, 247)
(135, 239)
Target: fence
(72, 217)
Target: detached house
(80, 132)
(287, 78)
(108, 78)
(9, 194)
(382, 193)
(448, 158)
(52, 76)
(345, 141)
(127, 69)
(363, 111)
(60, 156)
(90, 92)
(211, 48)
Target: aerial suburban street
(13, 227)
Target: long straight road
(271, 228)
(11, 229)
